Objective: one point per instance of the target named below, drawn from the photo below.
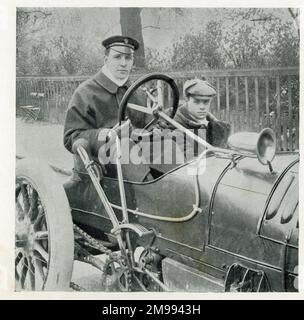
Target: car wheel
(44, 229)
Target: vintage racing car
(232, 228)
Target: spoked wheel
(44, 230)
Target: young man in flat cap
(93, 108)
(195, 113)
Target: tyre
(44, 229)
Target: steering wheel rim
(139, 82)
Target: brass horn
(262, 144)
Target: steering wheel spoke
(160, 97)
(149, 124)
(152, 100)
(139, 108)
(155, 97)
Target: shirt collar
(106, 82)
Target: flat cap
(121, 41)
(198, 87)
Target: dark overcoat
(94, 107)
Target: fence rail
(249, 99)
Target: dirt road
(42, 140)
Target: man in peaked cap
(93, 108)
(195, 112)
(118, 48)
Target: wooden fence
(249, 99)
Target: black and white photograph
(157, 149)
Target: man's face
(119, 64)
(198, 107)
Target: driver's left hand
(122, 131)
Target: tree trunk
(130, 21)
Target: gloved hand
(211, 117)
(122, 131)
(217, 133)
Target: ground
(42, 140)
(45, 141)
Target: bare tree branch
(231, 56)
(295, 19)
(25, 34)
(264, 19)
(28, 12)
(294, 15)
(152, 27)
(178, 11)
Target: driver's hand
(122, 131)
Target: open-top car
(229, 226)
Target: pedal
(140, 230)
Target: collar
(102, 79)
(182, 113)
(106, 72)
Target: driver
(93, 108)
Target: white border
(7, 145)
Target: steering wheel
(156, 102)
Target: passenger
(195, 113)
